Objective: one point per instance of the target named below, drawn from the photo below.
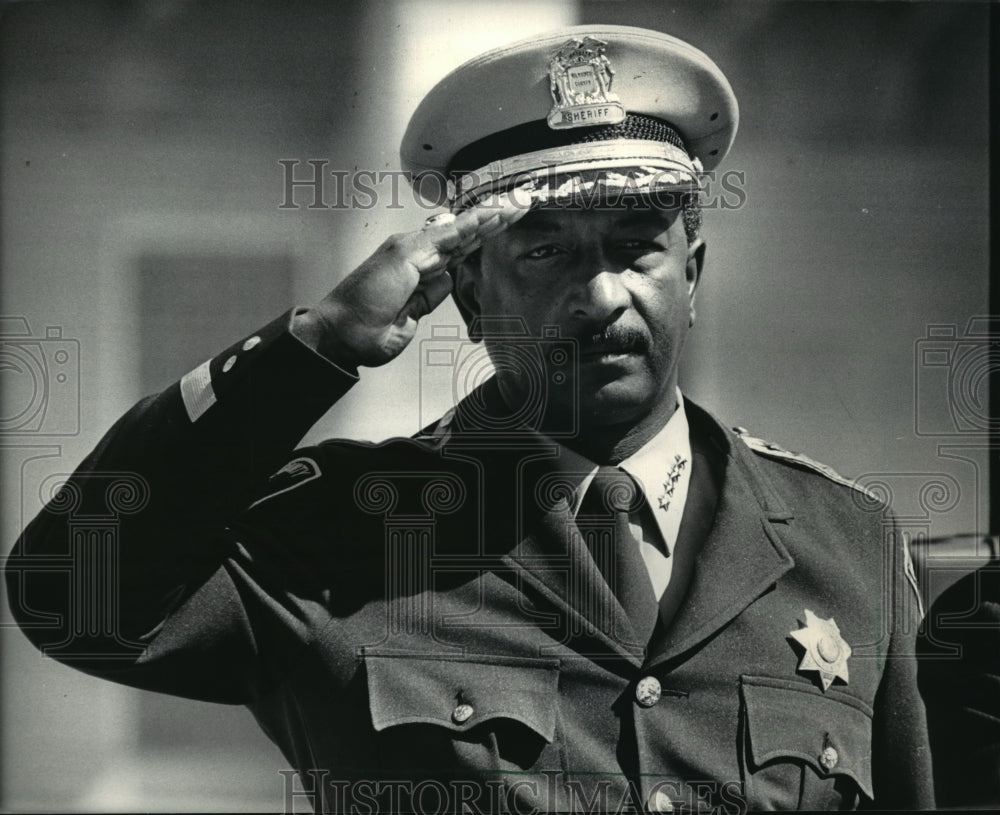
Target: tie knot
(612, 490)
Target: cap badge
(580, 78)
(826, 651)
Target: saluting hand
(372, 315)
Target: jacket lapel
(738, 555)
(553, 560)
(529, 526)
(696, 522)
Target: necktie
(603, 520)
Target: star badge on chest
(826, 652)
(671, 483)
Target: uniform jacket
(417, 623)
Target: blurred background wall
(143, 229)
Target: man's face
(621, 282)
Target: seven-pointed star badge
(826, 651)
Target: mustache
(620, 338)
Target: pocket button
(647, 692)
(659, 801)
(828, 758)
(462, 713)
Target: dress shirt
(662, 463)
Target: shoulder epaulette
(772, 450)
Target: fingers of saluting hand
(444, 241)
(446, 238)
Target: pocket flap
(459, 694)
(832, 731)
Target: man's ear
(692, 273)
(465, 291)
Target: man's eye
(542, 252)
(639, 245)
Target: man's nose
(599, 294)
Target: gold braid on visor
(603, 171)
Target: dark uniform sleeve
(901, 757)
(139, 530)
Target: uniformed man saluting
(577, 590)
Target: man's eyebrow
(537, 223)
(649, 218)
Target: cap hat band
(573, 171)
(535, 136)
(637, 154)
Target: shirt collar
(662, 467)
(660, 459)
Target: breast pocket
(464, 719)
(802, 748)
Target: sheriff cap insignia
(580, 78)
(826, 651)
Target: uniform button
(253, 342)
(828, 758)
(659, 801)
(462, 713)
(228, 364)
(647, 692)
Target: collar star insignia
(671, 483)
(826, 651)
